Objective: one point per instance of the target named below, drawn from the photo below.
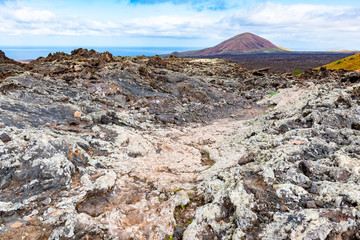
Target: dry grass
(348, 63)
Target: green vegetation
(273, 94)
(297, 72)
(176, 190)
(273, 50)
(348, 63)
(205, 158)
(205, 153)
(208, 167)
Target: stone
(17, 224)
(77, 114)
(5, 138)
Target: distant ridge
(286, 49)
(242, 43)
(344, 50)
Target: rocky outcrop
(154, 148)
(290, 174)
(81, 63)
(5, 60)
(9, 67)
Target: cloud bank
(300, 23)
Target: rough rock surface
(9, 67)
(289, 174)
(100, 147)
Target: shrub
(297, 72)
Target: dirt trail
(96, 147)
(157, 171)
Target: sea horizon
(34, 52)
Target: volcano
(242, 43)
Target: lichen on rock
(100, 147)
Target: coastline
(25, 61)
(27, 53)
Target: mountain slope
(286, 49)
(242, 43)
(348, 63)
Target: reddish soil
(242, 43)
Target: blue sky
(299, 25)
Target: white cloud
(170, 26)
(281, 23)
(17, 19)
(30, 15)
(17, 12)
(302, 15)
(319, 24)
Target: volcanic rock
(242, 43)
(6, 60)
(159, 148)
(9, 67)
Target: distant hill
(242, 43)
(286, 49)
(344, 50)
(348, 63)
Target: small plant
(182, 207)
(205, 158)
(170, 238)
(339, 62)
(273, 93)
(208, 167)
(177, 213)
(297, 72)
(205, 153)
(176, 190)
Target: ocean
(25, 53)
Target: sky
(299, 25)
